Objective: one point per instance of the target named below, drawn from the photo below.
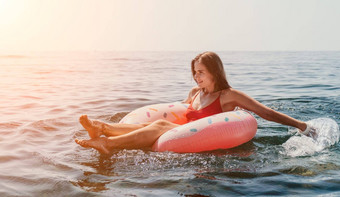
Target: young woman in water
(212, 95)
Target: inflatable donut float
(220, 131)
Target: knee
(161, 123)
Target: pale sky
(169, 25)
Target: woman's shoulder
(194, 90)
(230, 93)
(227, 91)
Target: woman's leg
(116, 129)
(96, 128)
(140, 138)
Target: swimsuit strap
(195, 97)
(218, 99)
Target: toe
(83, 117)
(77, 141)
(84, 143)
(81, 142)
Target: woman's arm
(265, 112)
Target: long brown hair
(214, 65)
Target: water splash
(327, 135)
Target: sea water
(42, 95)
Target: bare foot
(100, 144)
(93, 128)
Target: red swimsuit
(214, 108)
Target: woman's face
(203, 77)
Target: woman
(212, 95)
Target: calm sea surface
(43, 94)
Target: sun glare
(10, 11)
(14, 16)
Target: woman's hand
(309, 131)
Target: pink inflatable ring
(220, 131)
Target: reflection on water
(310, 170)
(43, 94)
(141, 164)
